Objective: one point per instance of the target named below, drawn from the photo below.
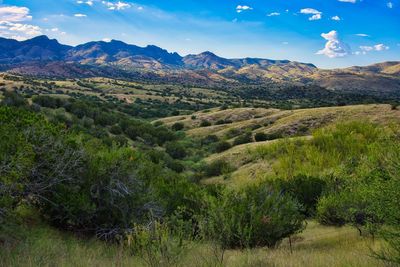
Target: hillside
(246, 167)
(43, 57)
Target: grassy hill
(280, 126)
(275, 121)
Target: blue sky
(328, 33)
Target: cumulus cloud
(389, 5)
(117, 5)
(348, 1)
(12, 23)
(80, 15)
(14, 14)
(334, 46)
(316, 15)
(273, 14)
(241, 8)
(337, 18)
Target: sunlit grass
(316, 246)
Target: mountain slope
(39, 48)
(41, 56)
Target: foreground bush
(307, 190)
(74, 181)
(253, 217)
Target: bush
(330, 211)
(259, 137)
(178, 126)
(209, 139)
(205, 123)
(217, 168)
(116, 129)
(254, 217)
(243, 139)
(176, 150)
(222, 146)
(305, 189)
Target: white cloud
(107, 40)
(334, 46)
(12, 23)
(273, 14)
(348, 1)
(389, 5)
(80, 15)
(26, 29)
(89, 2)
(316, 15)
(241, 8)
(362, 35)
(14, 14)
(337, 18)
(378, 47)
(117, 5)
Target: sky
(327, 33)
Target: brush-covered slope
(278, 125)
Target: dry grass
(316, 246)
(289, 123)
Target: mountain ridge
(44, 57)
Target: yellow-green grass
(249, 169)
(316, 246)
(289, 123)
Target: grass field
(316, 246)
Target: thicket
(78, 183)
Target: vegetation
(95, 170)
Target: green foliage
(75, 183)
(13, 99)
(176, 150)
(157, 245)
(205, 123)
(243, 139)
(222, 146)
(178, 126)
(259, 137)
(305, 189)
(253, 217)
(216, 168)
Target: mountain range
(42, 56)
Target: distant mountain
(42, 56)
(120, 54)
(39, 48)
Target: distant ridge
(44, 57)
(117, 53)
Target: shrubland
(86, 168)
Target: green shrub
(222, 146)
(209, 139)
(330, 211)
(205, 123)
(305, 189)
(243, 139)
(116, 129)
(217, 168)
(176, 150)
(253, 217)
(259, 137)
(178, 126)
